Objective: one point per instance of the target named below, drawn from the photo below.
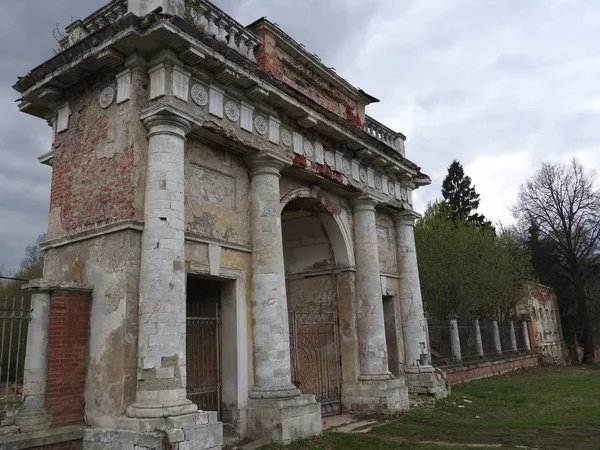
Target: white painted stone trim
(62, 121)
(181, 84)
(215, 103)
(319, 153)
(246, 122)
(123, 86)
(298, 143)
(274, 125)
(158, 81)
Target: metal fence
(487, 338)
(440, 342)
(520, 330)
(441, 336)
(15, 314)
(505, 339)
(468, 341)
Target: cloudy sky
(501, 85)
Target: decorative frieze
(330, 159)
(298, 147)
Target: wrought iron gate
(315, 355)
(203, 358)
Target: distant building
(538, 305)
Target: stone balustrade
(384, 134)
(217, 24)
(97, 21)
(206, 16)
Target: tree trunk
(585, 322)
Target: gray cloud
(500, 85)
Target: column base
(33, 420)
(268, 393)
(199, 430)
(167, 409)
(367, 396)
(284, 420)
(427, 381)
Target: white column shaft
(371, 325)
(272, 369)
(455, 340)
(413, 315)
(162, 290)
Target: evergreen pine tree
(461, 197)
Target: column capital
(364, 202)
(167, 124)
(406, 218)
(267, 162)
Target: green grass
(335, 441)
(543, 408)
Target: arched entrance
(313, 244)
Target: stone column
(34, 415)
(428, 339)
(455, 338)
(413, 316)
(161, 382)
(513, 337)
(371, 325)
(526, 334)
(478, 340)
(272, 368)
(497, 341)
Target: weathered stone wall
(111, 264)
(217, 189)
(539, 303)
(99, 160)
(386, 239)
(291, 70)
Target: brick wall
(304, 79)
(490, 369)
(67, 359)
(93, 177)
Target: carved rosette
(308, 149)
(329, 159)
(392, 189)
(232, 111)
(107, 96)
(378, 181)
(363, 175)
(346, 167)
(199, 95)
(261, 125)
(286, 138)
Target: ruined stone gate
(235, 231)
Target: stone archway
(315, 252)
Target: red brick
(67, 359)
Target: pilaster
(34, 415)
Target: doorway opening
(203, 340)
